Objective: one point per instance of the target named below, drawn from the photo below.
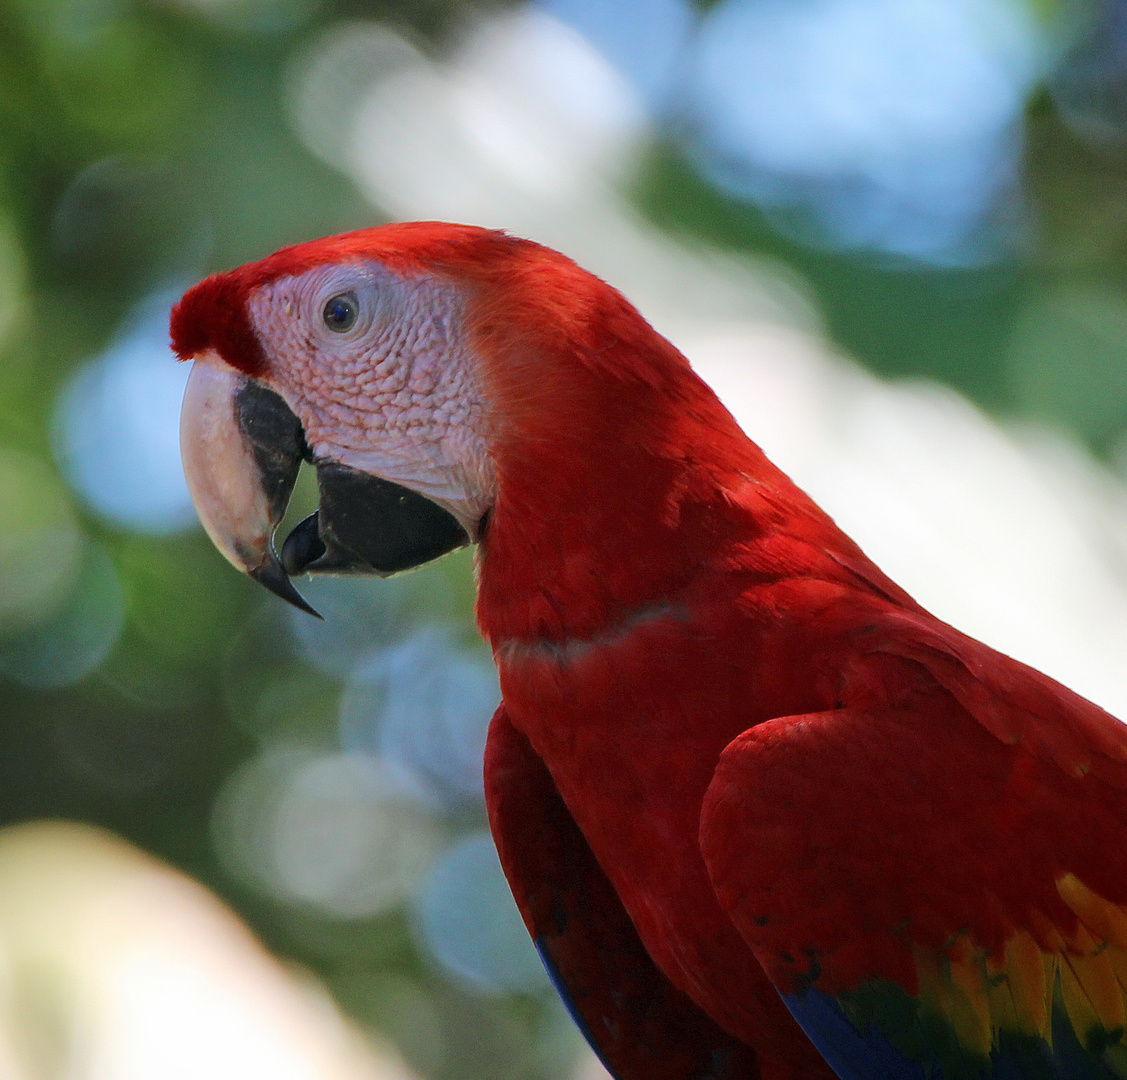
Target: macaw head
(433, 374)
(350, 353)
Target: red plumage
(655, 588)
(735, 761)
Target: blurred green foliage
(142, 144)
(1038, 336)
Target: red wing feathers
(641, 1026)
(937, 882)
(1016, 703)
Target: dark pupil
(340, 313)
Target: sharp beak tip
(273, 576)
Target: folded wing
(639, 1024)
(936, 883)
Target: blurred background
(892, 233)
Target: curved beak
(242, 448)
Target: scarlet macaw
(760, 811)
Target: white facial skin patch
(395, 393)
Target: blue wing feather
(864, 1051)
(569, 1003)
(853, 1055)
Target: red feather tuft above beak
(213, 315)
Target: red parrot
(763, 815)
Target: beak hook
(242, 447)
(273, 575)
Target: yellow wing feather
(983, 994)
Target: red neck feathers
(621, 477)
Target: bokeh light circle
(469, 921)
(892, 125)
(425, 704)
(40, 545)
(117, 424)
(340, 832)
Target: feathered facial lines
(375, 365)
(369, 368)
(299, 314)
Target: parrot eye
(340, 312)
